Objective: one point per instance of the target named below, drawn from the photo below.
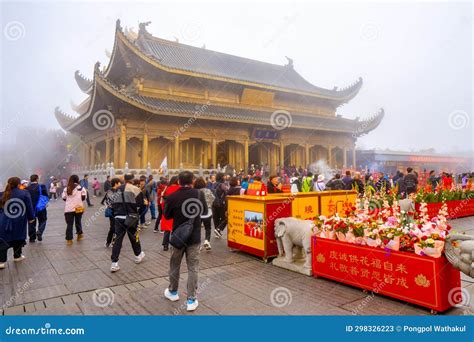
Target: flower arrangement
(389, 228)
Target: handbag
(131, 220)
(42, 200)
(108, 212)
(181, 234)
(79, 210)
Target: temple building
(201, 108)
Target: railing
(101, 171)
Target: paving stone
(86, 280)
(53, 302)
(14, 310)
(43, 293)
(71, 299)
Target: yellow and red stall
(251, 218)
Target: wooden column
(344, 156)
(214, 153)
(246, 155)
(92, 154)
(329, 155)
(85, 154)
(123, 146)
(107, 150)
(306, 155)
(354, 163)
(145, 150)
(176, 153)
(282, 154)
(116, 152)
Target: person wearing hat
(319, 185)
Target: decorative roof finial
(142, 28)
(290, 61)
(97, 68)
(117, 25)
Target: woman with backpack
(108, 200)
(74, 195)
(206, 218)
(167, 225)
(16, 210)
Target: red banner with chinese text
(416, 279)
(456, 208)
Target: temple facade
(201, 108)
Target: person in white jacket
(320, 185)
(74, 195)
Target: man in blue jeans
(41, 216)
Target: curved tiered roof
(199, 62)
(185, 59)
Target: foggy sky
(415, 59)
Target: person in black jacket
(183, 205)
(126, 203)
(41, 216)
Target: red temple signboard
(456, 208)
(422, 280)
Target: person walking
(16, 210)
(74, 195)
(107, 184)
(336, 183)
(411, 181)
(308, 183)
(37, 190)
(357, 184)
(178, 207)
(319, 185)
(85, 185)
(96, 187)
(146, 201)
(159, 197)
(53, 188)
(200, 184)
(151, 188)
(107, 201)
(167, 224)
(126, 206)
(219, 207)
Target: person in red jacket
(167, 224)
(159, 195)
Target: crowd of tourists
(128, 201)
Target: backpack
(410, 184)
(220, 194)
(42, 200)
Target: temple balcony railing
(101, 171)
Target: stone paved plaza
(56, 279)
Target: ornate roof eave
(369, 124)
(82, 107)
(121, 94)
(84, 83)
(341, 96)
(63, 119)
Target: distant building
(391, 161)
(198, 107)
